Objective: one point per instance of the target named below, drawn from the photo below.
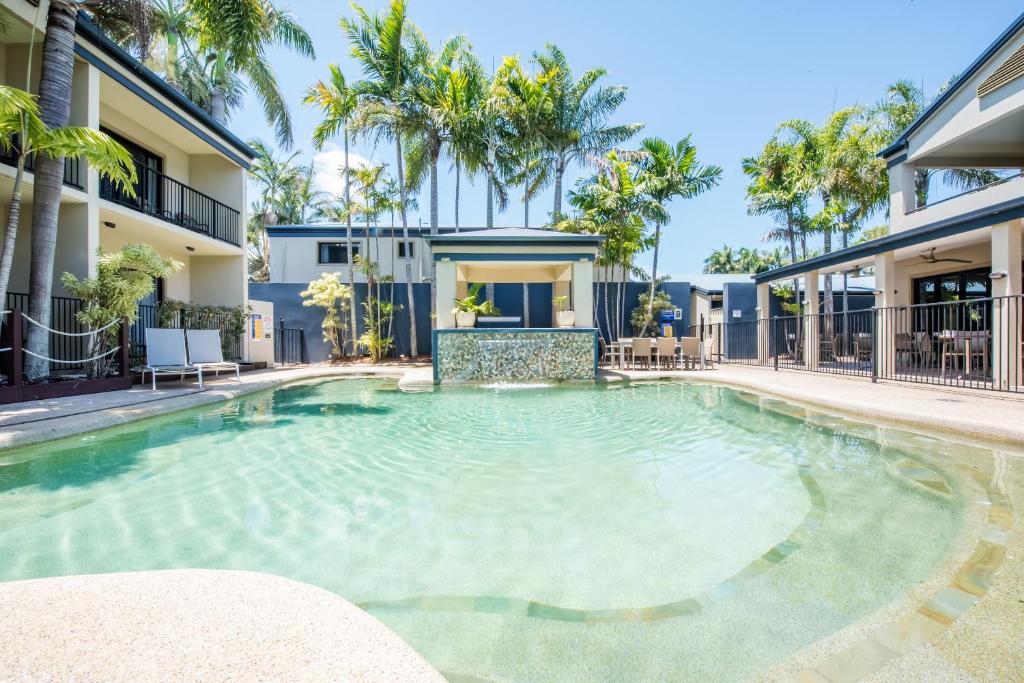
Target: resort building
(948, 279)
(302, 253)
(190, 198)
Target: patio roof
(972, 220)
(514, 237)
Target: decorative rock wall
(514, 355)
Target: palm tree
(171, 21)
(272, 176)
(55, 74)
(388, 48)
(233, 36)
(524, 106)
(721, 261)
(668, 172)
(575, 126)
(903, 103)
(775, 190)
(23, 131)
(819, 163)
(338, 101)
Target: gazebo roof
(513, 237)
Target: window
(401, 249)
(148, 167)
(716, 304)
(332, 253)
(967, 284)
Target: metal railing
(72, 167)
(289, 345)
(63, 317)
(163, 197)
(976, 343)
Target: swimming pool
(646, 531)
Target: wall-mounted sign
(256, 325)
(677, 313)
(737, 313)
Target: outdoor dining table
(627, 343)
(948, 338)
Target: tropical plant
(337, 101)
(272, 177)
(23, 133)
(775, 189)
(561, 303)
(903, 103)
(644, 317)
(229, 320)
(378, 314)
(232, 38)
(327, 292)
(668, 172)
(388, 48)
(743, 261)
(471, 304)
(123, 278)
(126, 18)
(574, 126)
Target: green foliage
(744, 260)
(469, 303)
(230, 320)
(561, 303)
(327, 292)
(123, 278)
(378, 314)
(644, 318)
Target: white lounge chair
(166, 355)
(206, 354)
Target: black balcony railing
(165, 198)
(72, 167)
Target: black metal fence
(164, 197)
(976, 343)
(63, 312)
(289, 345)
(72, 167)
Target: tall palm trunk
(829, 304)
(559, 172)
(434, 155)
(458, 181)
(654, 279)
(11, 233)
(218, 98)
(354, 317)
(172, 60)
(55, 78)
(490, 200)
(413, 346)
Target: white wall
(294, 259)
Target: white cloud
(327, 166)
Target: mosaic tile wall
(513, 356)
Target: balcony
(978, 199)
(72, 167)
(165, 198)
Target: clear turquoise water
(649, 532)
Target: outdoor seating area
(174, 351)
(661, 353)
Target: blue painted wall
(679, 292)
(288, 306)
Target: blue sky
(727, 72)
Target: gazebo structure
(512, 352)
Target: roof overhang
(974, 220)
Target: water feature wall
(514, 355)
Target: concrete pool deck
(194, 625)
(984, 640)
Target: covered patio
(948, 306)
(507, 349)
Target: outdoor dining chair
(667, 352)
(642, 352)
(961, 349)
(689, 352)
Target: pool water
(644, 532)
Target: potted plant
(467, 309)
(563, 316)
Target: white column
(85, 107)
(1006, 309)
(446, 276)
(888, 320)
(763, 312)
(812, 344)
(583, 293)
(902, 195)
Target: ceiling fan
(929, 257)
